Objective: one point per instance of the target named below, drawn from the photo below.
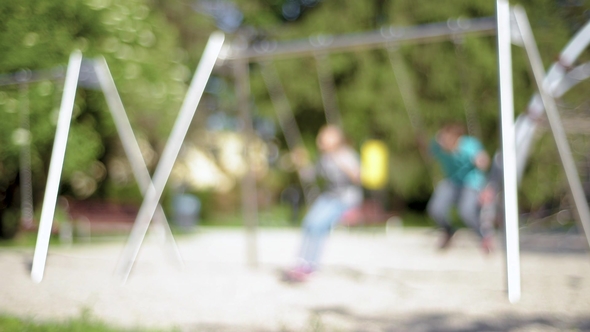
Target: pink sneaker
(297, 274)
(488, 245)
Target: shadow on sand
(340, 319)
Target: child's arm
(349, 164)
(482, 160)
(302, 163)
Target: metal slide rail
(556, 83)
(556, 126)
(551, 85)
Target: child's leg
(323, 214)
(469, 210)
(441, 202)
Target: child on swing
(339, 165)
(463, 161)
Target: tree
(149, 69)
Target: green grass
(277, 216)
(25, 239)
(274, 216)
(29, 239)
(415, 219)
(84, 323)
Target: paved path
(370, 282)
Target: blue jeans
(448, 194)
(323, 214)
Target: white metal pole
(569, 164)
(249, 190)
(132, 150)
(508, 151)
(56, 166)
(170, 153)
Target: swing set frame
(510, 25)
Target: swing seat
(352, 217)
(369, 212)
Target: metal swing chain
(410, 106)
(328, 90)
(401, 76)
(473, 126)
(26, 182)
(282, 106)
(287, 123)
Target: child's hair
(454, 128)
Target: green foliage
(10, 223)
(145, 59)
(41, 34)
(193, 29)
(445, 78)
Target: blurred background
(153, 46)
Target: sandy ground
(371, 281)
